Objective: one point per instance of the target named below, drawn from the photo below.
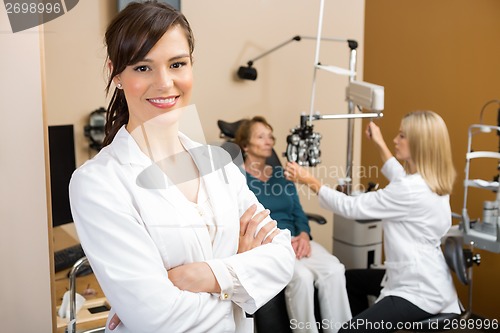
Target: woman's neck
(257, 167)
(412, 168)
(157, 142)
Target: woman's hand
(248, 226)
(302, 245)
(298, 174)
(198, 276)
(195, 277)
(113, 322)
(373, 133)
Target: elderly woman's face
(161, 82)
(261, 141)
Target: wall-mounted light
(249, 72)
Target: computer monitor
(62, 165)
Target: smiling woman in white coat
(416, 214)
(174, 236)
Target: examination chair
(273, 316)
(460, 261)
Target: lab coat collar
(127, 150)
(210, 161)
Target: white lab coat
(133, 228)
(414, 220)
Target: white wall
(25, 295)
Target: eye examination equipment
(303, 142)
(94, 131)
(483, 232)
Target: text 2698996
(471, 323)
(33, 8)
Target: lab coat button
(225, 296)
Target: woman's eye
(141, 68)
(178, 64)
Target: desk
(87, 286)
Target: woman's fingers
(255, 221)
(114, 321)
(368, 130)
(245, 218)
(265, 230)
(291, 171)
(269, 238)
(249, 224)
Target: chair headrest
(229, 129)
(454, 256)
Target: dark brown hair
(129, 38)
(244, 132)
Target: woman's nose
(164, 80)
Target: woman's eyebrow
(177, 57)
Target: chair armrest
(316, 218)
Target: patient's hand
(302, 245)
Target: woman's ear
(116, 79)
(109, 65)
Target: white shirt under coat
(133, 227)
(414, 220)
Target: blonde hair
(430, 149)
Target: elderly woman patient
(314, 265)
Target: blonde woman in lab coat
(176, 245)
(416, 213)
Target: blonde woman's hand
(373, 133)
(298, 174)
(248, 227)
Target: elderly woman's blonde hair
(430, 149)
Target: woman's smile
(163, 102)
